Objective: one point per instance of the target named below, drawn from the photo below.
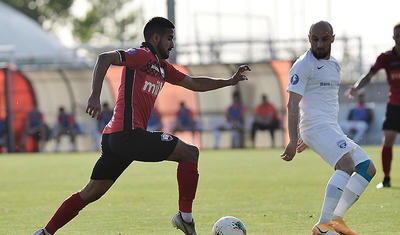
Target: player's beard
(320, 54)
(163, 53)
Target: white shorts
(329, 141)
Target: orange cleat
(340, 227)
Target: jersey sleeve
(299, 75)
(133, 58)
(173, 75)
(379, 63)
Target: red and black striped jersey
(142, 79)
(390, 61)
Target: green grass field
(269, 195)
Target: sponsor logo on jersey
(154, 69)
(166, 137)
(329, 84)
(152, 88)
(131, 51)
(294, 79)
(158, 70)
(342, 144)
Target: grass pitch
(269, 195)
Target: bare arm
(363, 81)
(207, 83)
(293, 120)
(103, 62)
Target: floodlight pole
(171, 17)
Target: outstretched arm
(293, 120)
(363, 81)
(207, 83)
(103, 62)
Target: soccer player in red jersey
(125, 138)
(390, 61)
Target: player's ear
(309, 38)
(333, 38)
(155, 38)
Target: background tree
(105, 22)
(45, 12)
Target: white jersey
(318, 82)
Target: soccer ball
(229, 225)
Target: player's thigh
(392, 118)
(184, 152)
(142, 145)
(329, 142)
(110, 165)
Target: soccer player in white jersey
(313, 90)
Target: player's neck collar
(151, 48)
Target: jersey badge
(166, 137)
(294, 79)
(131, 51)
(342, 144)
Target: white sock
(45, 231)
(187, 217)
(333, 192)
(354, 188)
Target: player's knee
(93, 191)
(388, 143)
(346, 164)
(194, 154)
(371, 170)
(366, 169)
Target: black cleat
(385, 183)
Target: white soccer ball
(229, 225)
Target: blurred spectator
(358, 120)
(65, 126)
(266, 117)
(35, 127)
(235, 122)
(184, 120)
(105, 116)
(155, 123)
(3, 136)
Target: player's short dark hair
(156, 25)
(396, 26)
(322, 21)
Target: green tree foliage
(105, 21)
(41, 11)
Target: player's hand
(290, 151)
(93, 107)
(239, 76)
(301, 146)
(351, 92)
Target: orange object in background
(282, 68)
(23, 99)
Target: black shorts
(392, 118)
(119, 149)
